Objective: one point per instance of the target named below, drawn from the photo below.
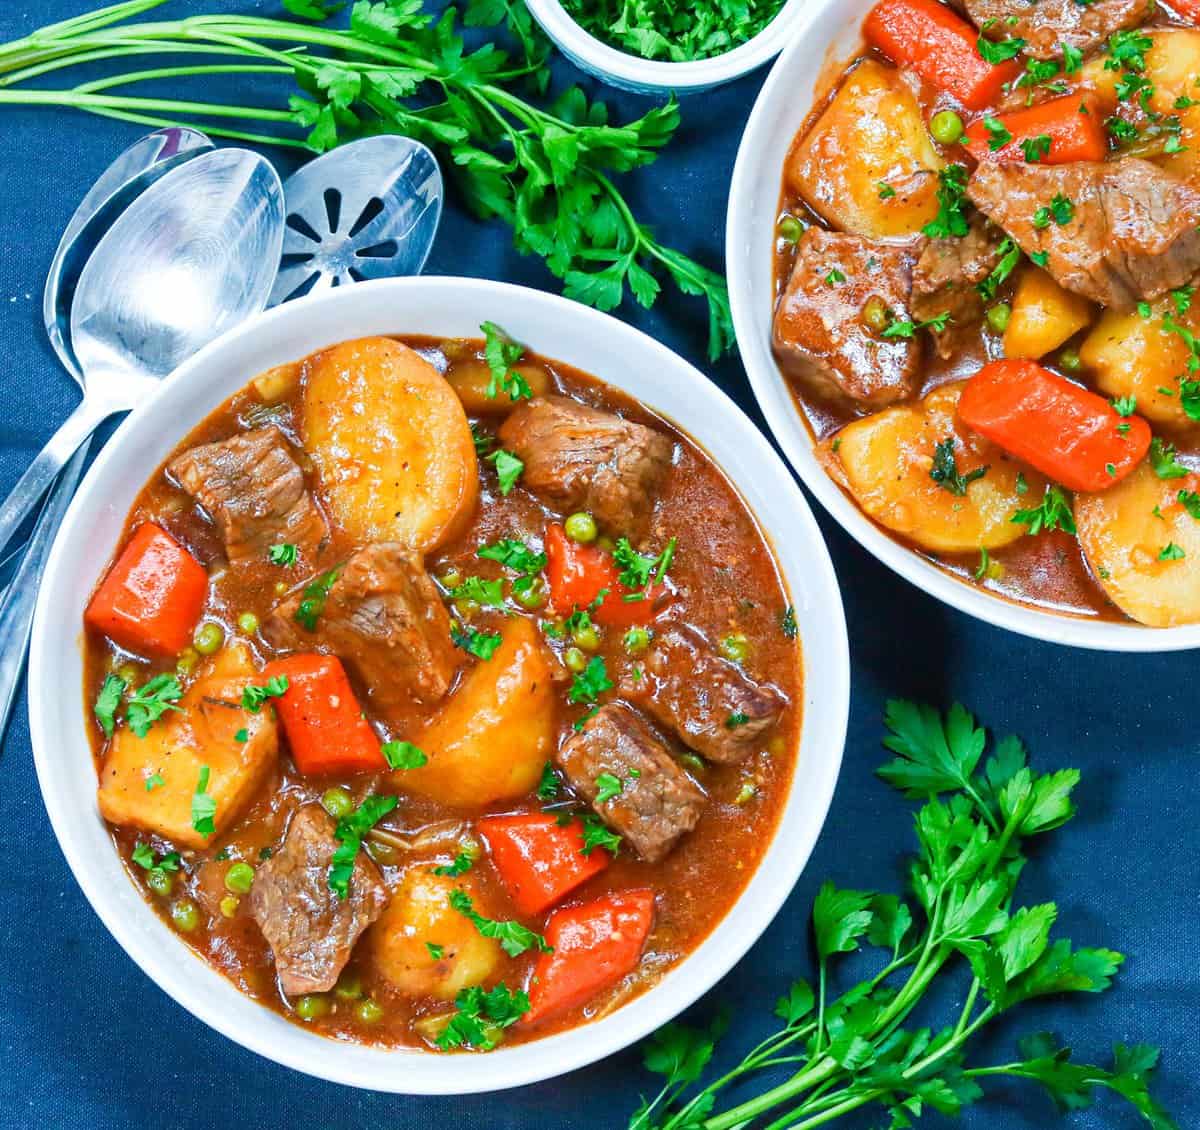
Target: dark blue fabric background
(87, 1040)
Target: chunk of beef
(658, 801)
(820, 335)
(1046, 25)
(580, 458)
(1133, 235)
(385, 618)
(712, 704)
(310, 929)
(255, 492)
(946, 280)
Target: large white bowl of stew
(962, 280)
(433, 714)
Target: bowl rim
(207, 994)
(778, 108)
(659, 74)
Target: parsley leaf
(403, 755)
(463, 862)
(1008, 255)
(107, 702)
(950, 221)
(591, 682)
(1162, 459)
(508, 469)
(945, 473)
(514, 938)
(596, 834)
(999, 51)
(349, 834)
(998, 134)
(204, 808)
(488, 593)
(283, 554)
(1035, 148)
(151, 701)
(1190, 501)
(607, 787)
(254, 697)
(549, 785)
(479, 1011)
(515, 555)
(787, 623)
(502, 353)
(1171, 552)
(482, 645)
(1053, 513)
(314, 595)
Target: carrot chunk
(594, 946)
(1068, 433)
(322, 718)
(540, 861)
(578, 574)
(1054, 133)
(152, 597)
(941, 47)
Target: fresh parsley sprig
(853, 1050)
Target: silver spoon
(182, 264)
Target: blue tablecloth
(87, 1040)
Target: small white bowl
(827, 33)
(447, 307)
(654, 76)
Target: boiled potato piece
(885, 460)
(1128, 355)
(470, 379)
(871, 133)
(202, 733)
(492, 738)
(1124, 540)
(420, 913)
(1044, 315)
(391, 443)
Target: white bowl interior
(827, 34)
(452, 307)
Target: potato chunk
(870, 134)
(1126, 545)
(1044, 315)
(885, 460)
(471, 378)
(391, 443)
(202, 733)
(492, 738)
(420, 916)
(1128, 355)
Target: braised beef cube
(657, 803)
(1133, 235)
(1046, 25)
(580, 458)
(947, 277)
(310, 928)
(254, 490)
(713, 706)
(821, 335)
(385, 619)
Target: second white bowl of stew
(963, 247)
(438, 686)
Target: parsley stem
(969, 1007)
(86, 101)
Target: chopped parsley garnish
(950, 222)
(787, 622)
(151, 701)
(480, 1012)
(107, 701)
(1162, 459)
(591, 682)
(1171, 552)
(403, 755)
(488, 593)
(502, 353)
(482, 441)
(945, 472)
(349, 834)
(637, 569)
(508, 469)
(1060, 210)
(514, 938)
(284, 554)
(998, 134)
(608, 786)
(886, 191)
(1189, 399)
(1035, 148)
(461, 865)
(1008, 255)
(154, 781)
(736, 719)
(1127, 49)
(254, 697)
(985, 563)
(435, 951)
(1053, 513)
(596, 834)
(549, 785)
(1125, 405)
(999, 51)
(482, 645)
(1072, 59)
(906, 329)
(834, 277)
(1041, 258)
(1182, 297)
(143, 856)
(243, 735)
(1190, 501)
(314, 596)
(515, 555)
(1120, 129)
(204, 808)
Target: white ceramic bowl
(826, 34)
(560, 329)
(654, 76)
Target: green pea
(160, 882)
(605, 543)
(281, 587)
(466, 608)
(369, 1011)
(247, 622)
(185, 915)
(349, 988)
(581, 527)
(791, 229)
(998, 316)
(229, 905)
(533, 596)
(637, 640)
(875, 314)
(735, 647)
(472, 849)
(946, 127)
(209, 638)
(586, 636)
(239, 878)
(337, 802)
(451, 579)
(128, 674)
(694, 763)
(1069, 360)
(312, 1006)
(186, 660)
(575, 660)
(746, 793)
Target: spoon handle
(17, 604)
(32, 485)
